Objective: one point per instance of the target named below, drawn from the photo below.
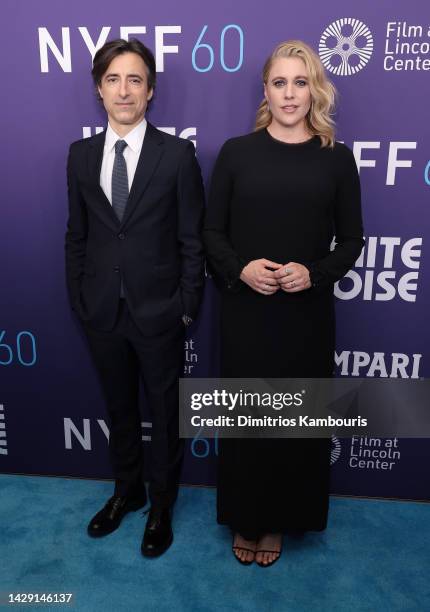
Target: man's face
(125, 93)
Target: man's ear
(100, 91)
(150, 94)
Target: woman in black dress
(278, 197)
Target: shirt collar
(134, 139)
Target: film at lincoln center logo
(346, 46)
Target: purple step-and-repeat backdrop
(209, 59)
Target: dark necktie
(119, 180)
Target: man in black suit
(134, 266)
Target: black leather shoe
(109, 518)
(158, 534)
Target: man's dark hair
(113, 48)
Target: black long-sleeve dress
(283, 202)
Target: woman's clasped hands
(267, 277)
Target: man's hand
(259, 274)
(293, 277)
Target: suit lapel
(150, 155)
(95, 158)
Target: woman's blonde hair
(323, 92)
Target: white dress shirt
(134, 140)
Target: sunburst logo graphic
(346, 46)
(335, 450)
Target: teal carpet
(374, 556)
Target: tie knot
(120, 146)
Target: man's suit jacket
(156, 249)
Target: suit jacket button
(121, 236)
(116, 269)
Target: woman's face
(287, 92)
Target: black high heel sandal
(269, 563)
(244, 562)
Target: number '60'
(25, 344)
(209, 55)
